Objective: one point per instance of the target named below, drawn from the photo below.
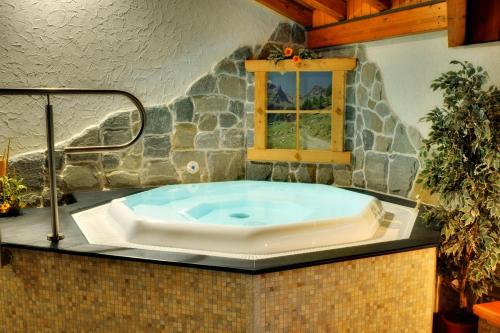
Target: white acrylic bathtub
(245, 219)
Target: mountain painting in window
(316, 90)
(281, 91)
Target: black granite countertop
(30, 230)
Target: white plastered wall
(409, 64)
(152, 48)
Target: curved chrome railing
(56, 235)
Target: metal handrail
(56, 235)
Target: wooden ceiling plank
(334, 8)
(399, 23)
(380, 5)
(321, 18)
(457, 11)
(303, 3)
(290, 9)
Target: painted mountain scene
(315, 90)
(281, 91)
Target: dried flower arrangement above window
(299, 108)
(277, 54)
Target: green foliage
(461, 163)
(11, 190)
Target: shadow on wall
(212, 124)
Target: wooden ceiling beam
(380, 5)
(457, 11)
(290, 9)
(392, 24)
(334, 8)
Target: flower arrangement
(11, 188)
(277, 54)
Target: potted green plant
(461, 160)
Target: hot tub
(245, 219)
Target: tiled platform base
(48, 292)
(486, 327)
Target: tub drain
(239, 215)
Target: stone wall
(212, 124)
(207, 125)
(384, 149)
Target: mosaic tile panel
(486, 327)
(390, 293)
(48, 292)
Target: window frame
(338, 67)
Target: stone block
(207, 140)
(232, 138)
(259, 170)
(368, 74)
(183, 110)
(282, 33)
(117, 179)
(376, 169)
(183, 137)
(401, 142)
(30, 168)
(203, 86)
(350, 113)
(117, 120)
(358, 156)
(225, 165)
(390, 125)
(110, 161)
(157, 173)
(241, 53)
(361, 96)
(207, 122)
(403, 172)
(324, 174)
(306, 173)
(358, 179)
(158, 120)
(225, 66)
(214, 103)
(298, 34)
(157, 146)
(372, 121)
(382, 143)
(368, 140)
(281, 172)
(342, 175)
(382, 109)
(377, 91)
(232, 86)
(116, 136)
(89, 137)
(237, 108)
(227, 120)
(81, 177)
